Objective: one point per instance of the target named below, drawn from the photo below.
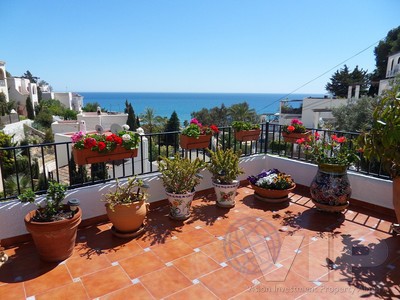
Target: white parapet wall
(366, 189)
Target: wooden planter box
(188, 142)
(293, 137)
(87, 156)
(247, 135)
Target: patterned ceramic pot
(226, 193)
(180, 205)
(330, 188)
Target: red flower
(89, 143)
(102, 146)
(301, 141)
(341, 139)
(118, 140)
(290, 128)
(109, 138)
(316, 134)
(214, 128)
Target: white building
(392, 70)
(70, 100)
(19, 89)
(3, 79)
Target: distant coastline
(186, 103)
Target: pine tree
(173, 124)
(131, 118)
(29, 108)
(126, 110)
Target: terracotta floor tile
(57, 277)
(165, 282)
(135, 291)
(105, 281)
(225, 282)
(123, 251)
(197, 238)
(12, 291)
(79, 266)
(141, 264)
(197, 291)
(172, 250)
(221, 251)
(196, 265)
(73, 290)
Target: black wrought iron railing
(33, 166)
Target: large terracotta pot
(330, 188)
(54, 241)
(180, 205)
(272, 196)
(127, 218)
(188, 142)
(293, 137)
(247, 135)
(226, 193)
(87, 156)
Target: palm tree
(242, 112)
(148, 119)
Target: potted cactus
(180, 176)
(224, 167)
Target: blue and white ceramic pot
(330, 188)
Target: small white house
(392, 70)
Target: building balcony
(255, 250)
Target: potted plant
(94, 148)
(330, 188)
(224, 167)
(180, 176)
(296, 130)
(54, 225)
(246, 131)
(126, 207)
(272, 186)
(196, 136)
(382, 142)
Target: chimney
(357, 92)
(349, 92)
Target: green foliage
(77, 176)
(6, 156)
(242, 112)
(356, 115)
(383, 140)
(48, 136)
(343, 78)
(224, 165)
(53, 206)
(193, 130)
(29, 108)
(158, 151)
(242, 125)
(99, 171)
(180, 175)
(131, 121)
(134, 190)
(70, 114)
(12, 182)
(3, 104)
(277, 146)
(44, 118)
(216, 115)
(92, 107)
(386, 47)
(29, 76)
(173, 124)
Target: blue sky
(191, 46)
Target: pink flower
(316, 134)
(76, 137)
(195, 121)
(296, 121)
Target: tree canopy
(343, 78)
(389, 45)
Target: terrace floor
(253, 251)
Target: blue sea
(186, 103)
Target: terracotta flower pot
(226, 193)
(294, 136)
(272, 196)
(188, 142)
(127, 218)
(54, 241)
(247, 135)
(87, 156)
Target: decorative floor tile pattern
(252, 251)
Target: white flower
(266, 180)
(126, 137)
(125, 127)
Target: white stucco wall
(17, 129)
(367, 189)
(309, 117)
(105, 120)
